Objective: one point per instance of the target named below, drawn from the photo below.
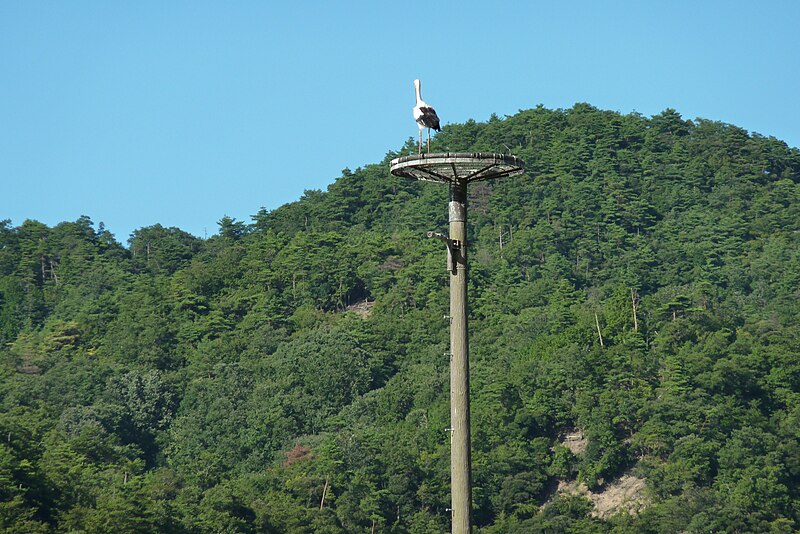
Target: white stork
(426, 118)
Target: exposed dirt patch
(575, 441)
(627, 493)
(362, 308)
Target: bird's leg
(419, 146)
(429, 140)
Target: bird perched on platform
(426, 117)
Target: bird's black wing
(429, 118)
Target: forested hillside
(638, 287)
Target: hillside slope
(181, 385)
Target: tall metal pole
(460, 452)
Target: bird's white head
(416, 87)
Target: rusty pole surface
(460, 449)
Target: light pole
(458, 170)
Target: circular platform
(457, 167)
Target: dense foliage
(640, 283)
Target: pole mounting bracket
(453, 248)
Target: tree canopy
(638, 286)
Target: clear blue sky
(182, 112)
